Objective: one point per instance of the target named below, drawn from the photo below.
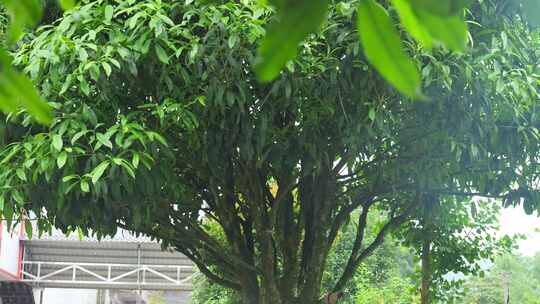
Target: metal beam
(109, 276)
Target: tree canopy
(161, 127)
(429, 22)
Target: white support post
(39, 270)
(41, 292)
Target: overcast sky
(514, 220)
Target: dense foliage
(512, 276)
(429, 22)
(159, 119)
(295, 21)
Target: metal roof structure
(121, 262)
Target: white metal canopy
(122, 262)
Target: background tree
(159, 119)
(510, 274)
(453, 237)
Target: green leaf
(382, 47)
(18, 197)
(135, 160)
(156, 136)
(8, 212)
(69, 188)
(85, 187)
(411, 23)
(29, 162)
(104, 140)
(451, 31)
(61, 159)
(107, 68)
(20, 173)
(161, 54)
(85, 88)
(232, 41)
(2, 203)
(78, 135)
(372, 114)
(17, 91)
(94, 74)
(10, 155)
(443, 8)
(128, 168)
(80, 233)
(67, 4)
(57, 142)
(296, 20)
(109, 10)
(83, 55)
(194, 51)
(98, 171)
(69, 177)
(23, 13)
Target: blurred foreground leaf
(67, 4)
(382, 46)
(295, 21)
(451, 31)
(17, 91)
(23, 13)
(444, 8)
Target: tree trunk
(260, 297)
(426, 273)
(255, 291)
(250, 292)
(249, 297)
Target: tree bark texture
(425, 296)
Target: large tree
(161, 128)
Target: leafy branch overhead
(429, 22)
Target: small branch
(351, 262)
(210, 275)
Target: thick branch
(351, 263)
(391, 224)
